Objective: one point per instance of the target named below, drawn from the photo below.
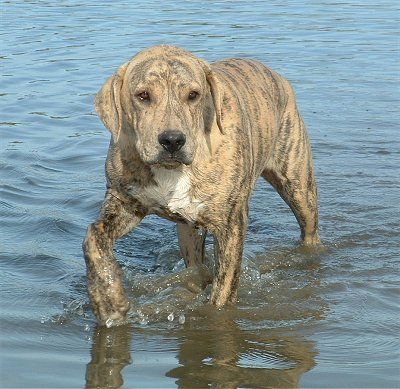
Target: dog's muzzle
(172, 142)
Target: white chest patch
(172, 190)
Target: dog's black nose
(172, 140)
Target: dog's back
(259, 107)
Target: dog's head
(163, 100)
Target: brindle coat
(242, 123)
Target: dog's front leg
(228, 249)
(191, 242)
(109, 302)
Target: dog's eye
(143, 96)
(193, 95)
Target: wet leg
(109, 302)
(228, 248)
(191, 242)
(291, 174)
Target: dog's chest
(170, 195)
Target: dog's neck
(170, 192)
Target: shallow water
(308, 319)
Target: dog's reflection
(214, 351)
(226, 356)
(110, 354)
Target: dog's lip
(171, 160)
(170, 164)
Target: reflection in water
(229, 357)
(249, 345)
(214, 350)
(110, 354)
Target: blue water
(326, 319)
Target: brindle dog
(189, 141)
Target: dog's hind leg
(302, 201)
(191, 242)
(291, 174)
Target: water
(308, 319)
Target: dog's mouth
(172, 160)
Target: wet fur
(245, 125)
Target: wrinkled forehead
(179, 70)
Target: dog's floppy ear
(108, 102)
(215, 93)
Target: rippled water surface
(310, 319)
